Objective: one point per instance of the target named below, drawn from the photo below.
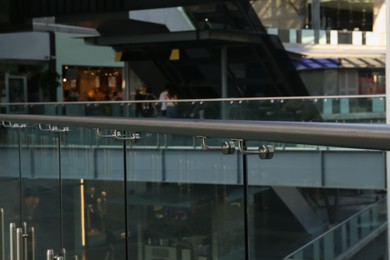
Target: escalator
(260, 68)
(257, 63)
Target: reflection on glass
(164, 197)
(324, 109)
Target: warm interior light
(83, 239)
(64, 80)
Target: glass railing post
(316, 251)
(375, 217)
(329, 246)
(328, 106)
(344, 238)
(353, 231)
(365, 223)
(378, 105)
(344, 106)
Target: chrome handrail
(363, 136)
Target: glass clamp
(8, 124)
(118, 135)
(227, 147)
(265, 152)
(54, 129)
(133, 137)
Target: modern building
(91, 186)
(309, 32)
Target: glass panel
(166, 197)
(184, 204)
(40, 202)
(315, 207)
(329, 109)
(10, 184)
(93, 195)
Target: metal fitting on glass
(101, 134)
(265, 152)
(20, 238)
(11, 125)
(54, 129)
(50, 255)
(227, 147)
(133, 137)
(118, 135)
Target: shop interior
(91, 83)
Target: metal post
(2, 249)
(12, 241)
(125, 178)
(63, 253)
(246, 206)
(32, 240)
(24, 241)
(19, 243)
(224, 83)
(50, 254)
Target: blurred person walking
(171, 99)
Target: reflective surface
(166, 198)
(344, 236)
(367, 109)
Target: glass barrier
(93, 195)
(368, 109)
(41, 190)
(11, 190)
(336, 242)
(130, 198)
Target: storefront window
(91, 83)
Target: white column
(379, 14)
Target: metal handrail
(204, 100)
(363, 136)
